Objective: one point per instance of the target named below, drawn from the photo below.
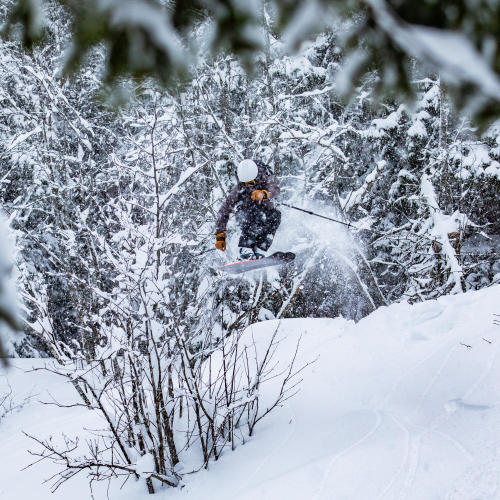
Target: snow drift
(403, 404)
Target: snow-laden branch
(451, 53)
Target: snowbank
(403, 404)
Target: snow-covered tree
(155, 38)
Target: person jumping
(255, 213)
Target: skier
(255, 212)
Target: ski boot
(250, 253)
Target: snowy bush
(171, 408)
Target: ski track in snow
(402, 466)
(414, 441)
(409, 465)
(316, 459)
(273, 452)
(370, 433)
(411, 462)
(443, 346)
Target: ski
(242, 266)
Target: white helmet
(247, 171)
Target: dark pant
(258, 226)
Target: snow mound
(403, 404)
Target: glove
(260, 195)
(220, 242)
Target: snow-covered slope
(404, 404)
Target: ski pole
(348, 224)
(204, 252)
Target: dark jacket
(241, 197)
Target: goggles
(249, 183)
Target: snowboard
(242, 266)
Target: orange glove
(220, 242)
(260, 195)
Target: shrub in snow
(171, 402)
